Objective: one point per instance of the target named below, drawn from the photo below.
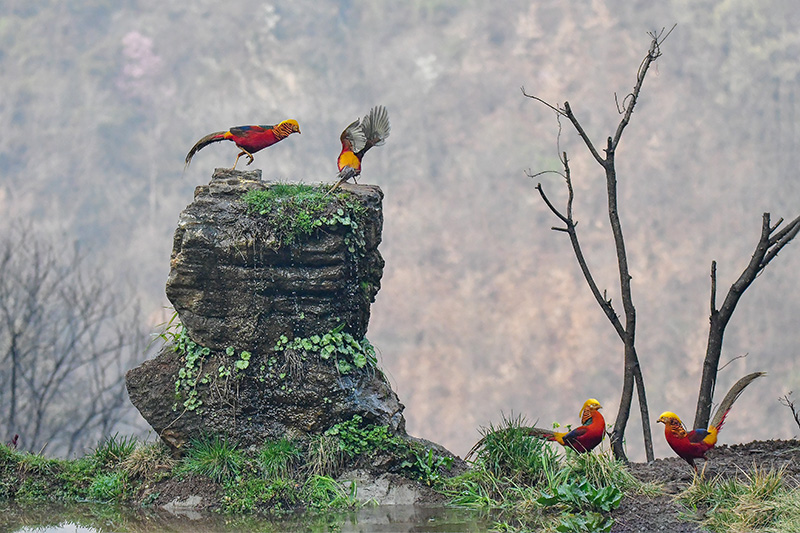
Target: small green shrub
(190, 374)
(294, 211)
(356, 438)
(582, 495)
(108, 487)
(340, 347)
(590, 522)
(254, 494)
(428, 466)
(213, 457)
(324, 492)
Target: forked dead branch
(632, 374)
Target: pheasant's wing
(575, 434)
(697, 435)
(243, 131)
(353, 137)
(376, 126)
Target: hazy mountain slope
(482, 308)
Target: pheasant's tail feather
(540, 433)
(376, 127)
(727, 402)
(529, 432)
(474, 450)
(205, 141)
(345, 174)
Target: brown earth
(662, 513)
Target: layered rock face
(273, 322)
(234, 284)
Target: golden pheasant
(249, 139)
(582, 439)
(694, 444)
(357, 138)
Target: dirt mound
(661, 513)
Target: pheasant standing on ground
(588, 435)
(359, 137)
(694, 444)
(250, 139)
(582, 439)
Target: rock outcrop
(273, 322)
(233, 283)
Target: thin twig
(732, 360)
(554, 108)
(790, 404)
(528, 173)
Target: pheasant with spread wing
(582, 439)
(357, 139)
(249, 139)
(694, 444)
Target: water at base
(375, 519)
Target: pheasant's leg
(237, 159)
(248, 155)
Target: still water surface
(380, 519)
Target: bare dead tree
(632, 373)
(66, 339)
(770, 242)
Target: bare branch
(766, 249)
(781, 239)
(543, 172)
(790, 404)
(553, 208)
(734, 359)
(629, 102)
(713, 287)
(532, 97)
(588, 142)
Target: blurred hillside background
(482, 309)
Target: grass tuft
(213, 457)
(324, 457)
(758, 502)
(509, 452)
(114, 450)
(278, 459)
(147, 458)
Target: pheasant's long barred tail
(727, 402)
(529, 431)
(202, 143)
